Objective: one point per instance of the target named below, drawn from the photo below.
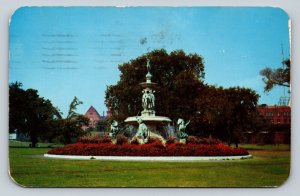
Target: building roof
(92, 113)
(272, 106)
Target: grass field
(18, 144)
(269, 167)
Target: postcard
(149, 96)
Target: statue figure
(143, 131)
(144, 99)
(148, 66)
(148, 99)
(181, 128)
(151, 99)
(114, 129)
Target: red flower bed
(152, 149)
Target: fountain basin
(157, 126)
(148, 120)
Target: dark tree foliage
(242, 103)
(179, 77)
(227, 113)
(212, 107)
(31, 114)
(102, 126)
(276, 77)
(36, 117)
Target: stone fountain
(149, 125)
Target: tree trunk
(34, 140)
(229, 139)
(236, 144)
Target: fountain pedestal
(156, 125)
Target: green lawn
(13, 143)
(277, 147)
(267, 168)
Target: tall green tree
(276, 77)
(179, 77)
(227, 113)
(31, 114)
(212, 107)
(242, 103)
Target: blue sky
(75, 51)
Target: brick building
(93, 116)
(280, 119)
(276, 114)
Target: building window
(269, 113)
(278, 114)
(278, 121)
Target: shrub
(192, 140)
(134, 141)
(105, 139)
(122, 140)
(94, 139)
(156, 144)
(212, 140)
(153, 140)
(171, 140)
(203, 140)
(88, 139)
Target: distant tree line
(37, 118)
